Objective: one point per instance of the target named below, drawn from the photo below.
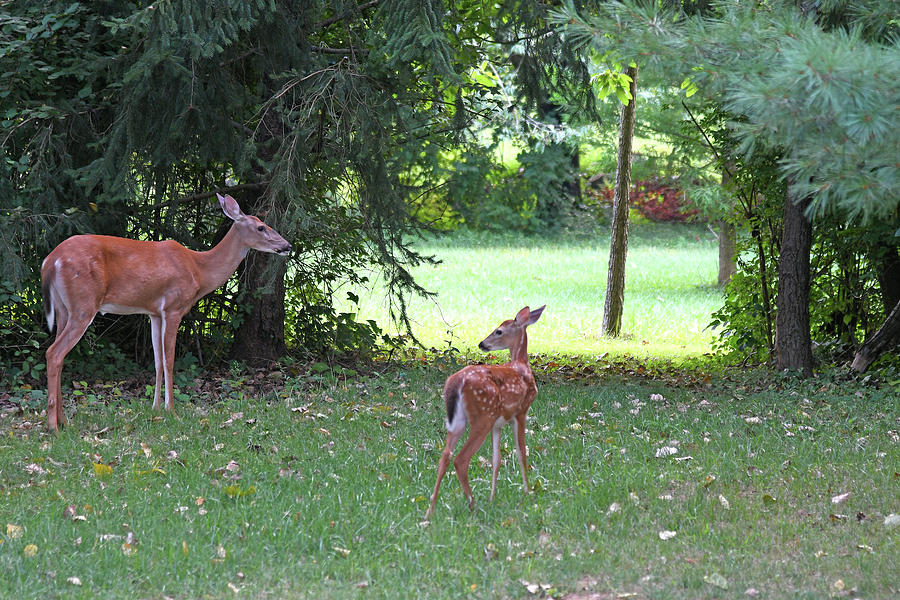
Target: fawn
(487, 397)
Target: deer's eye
(261, 228)
(498, 332)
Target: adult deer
(87, 274)
(487, 397)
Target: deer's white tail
(456, 411)
(49, 309)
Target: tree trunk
(259, 338)
(887, 337)
(887, 262)
(573, 186)
(793, 346)
(727, 249)
(618, 245)
(727, 236)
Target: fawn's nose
(483, 347)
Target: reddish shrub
(658, 199)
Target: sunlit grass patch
(483, 279)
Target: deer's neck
(518, 355)
(221, 261)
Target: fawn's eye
(498, 332)
(261, 228)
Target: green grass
(331, 479)
(669, 297)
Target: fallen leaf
(14, 532)
(343, 552)
(361, 585)
(839, 585)
(30, 550)
(892, 520)
(35, 469)
(147, 451)
(236, 491)
(840, 498)
(220, 552)
(614, 507)
(128, 549)
(101, 470)
(490, 552)
(724, 502)
(73, 581)
(866, 547)
(666, 535)
(752, 592)
(717, 580)
(233, 587)
(666, 451)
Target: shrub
(658, 199)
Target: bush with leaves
(527, 197)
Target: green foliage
(831, 103)
(740, 323)
(492, 197)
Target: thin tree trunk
(259, 338)
(727, 236)
(727, 249)
(764, 288)
(793, 345)
(618, 246)
(887, 337)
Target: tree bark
(727, 235)
(887, 337)
(887, 261)
(259, 339)
(727, 249)
(618, 245)
(793, 344)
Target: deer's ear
(530, 317)
(522, 316)
(230, 207)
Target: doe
(87, 274)
(487, 397)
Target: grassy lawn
(669, 297)
(318, 489)
(314, 485)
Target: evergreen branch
(345, 51)
(204, 195)
(335, 19)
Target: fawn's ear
(528, 317)
(230, 207)
(535, 315)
